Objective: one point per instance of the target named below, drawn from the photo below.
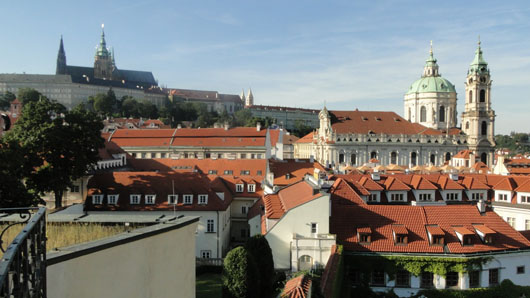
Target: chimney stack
(258, 126)
(481, 206)
(227, 126)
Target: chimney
(376, 176)
(481, 206)
(227, 126)
(453, 176)
(179, 126)
(258, 126)
(311, 159)
(472, 159)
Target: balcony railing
(23, 265)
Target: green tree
(6, 99)
(240, 275)
(242, 117)
(129, 107)
(259, 249)
(60, 146)
(105, 104)
(13, 192)
(147, 109)
(300, 129)
(26, 95)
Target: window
(426, 280)
(245, 172)
(244, 209)
(401, 239)
(74, 188)
(437, 240)
(150, 199)
(112, 199)
(441, 114)
(484, 128)
(260, 173)
(97, 199)
(451, 279)
(240, 187)
(373, 154)
(474, 279)
(423, 114)
(372, 197)
(203, 199)
(378, 278)
(527, 224)
(525, 199)
(511, 221)
(425, 196)
(403, 278)
(396, 197)
(243, 156)
(476, 196)
(365, 238)
(251, 187)
(353, 159)
(314, 228)
(520, 269)
(433, 159)
(452, 196)
(212, 172)
(188, 199)
(341, 158)
(206, 254)
(470, 96)
(467, 125)
(172, 199)
(228, 172)
(413, 156)
(494, 277)
(135, 199)
(393, 158)
(210, 226)
(482, 95)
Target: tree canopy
(240, 275)
(59, 145)
(6, 99)
(261, 252)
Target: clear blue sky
(351, 54)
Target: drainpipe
(219, 255)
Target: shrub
(259, 249)
(240, 275)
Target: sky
(344, 54)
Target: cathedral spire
(431, 67)
(61, 59)
(478, 65)
(250, 98)
(102, 50)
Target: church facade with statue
(427, 134)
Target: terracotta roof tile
(290, 171)
(297, 287)
(393, 183)
(435, 230)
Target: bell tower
(478, 118)
(103, 61)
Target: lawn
(208, 285)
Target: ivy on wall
(415, 265)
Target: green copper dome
(431, 81)
(478, 65)
(431, 84)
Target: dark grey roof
(131, 79)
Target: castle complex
(427, 135)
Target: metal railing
(23, 265)
(209, 262)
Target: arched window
(448, 156)
(470, 96)
(484, 128)
(410, 116)
(413, 157)
(373, 154)
(482, 95)
(433, 159)
(393, 157)
(353, 159)
(305, 262)
(484, 158)
(467, 125)
(341, 158)
(423, 114)
(442, 114)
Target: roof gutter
(445, 255)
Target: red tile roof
(524, 187)
(418, 182)
(381, 218)
(393, 183)
(364, 122)
(447, 183)
(308, 138)
(298, 287)
(289, 139)
(462, 154)
(506, 184)
(435, 230)
(296, 169)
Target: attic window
(397, 119)
(251, 188)
(364, 235)
(112, 199)
(135, 199)
(436, 235)
(240, 187)
(203, 199)
(464, 235)
(245, 172)
(150, 199)
(400, 234)
(228, 172)
(377, 119)
(97, 199)
(364, 118)
(188, 199)
(172, 199)
(212, 172)
(486, 234)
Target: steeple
(102, 50)
(61, 59)
(112, 57)
(478, 65)
(431, 67)
(250, 98)
(242, 95)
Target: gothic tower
(431, 100)
(103, 62)
(478, 118)
(250, 98)
(61, 59)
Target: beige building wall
(162, 265)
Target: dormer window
(364, 234)
(203, 199)
(464, 235)
(288, 176)
(240, 187)
(150, 199)
(97, 199)
(188, 199)
(485, 234)
(252, 188)
(436, 235)
(112, 199)
(372, 197)
(135, 199)
(245, 172)
(400, 234)
(172, 199)
(228, 172)
(425, 197)
(212, 172)
(452, 196)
